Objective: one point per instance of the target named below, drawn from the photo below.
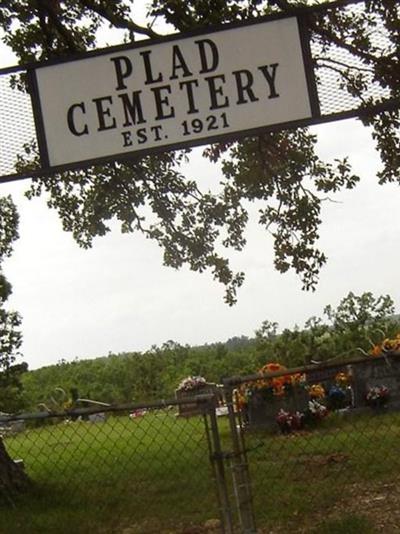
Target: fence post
(217, 460)
(240, 470)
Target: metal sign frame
(301, 13)
(123, 156)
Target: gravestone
(97, 417)
(326, 376)
(378, 371)
(11, 428)
(262, 409)
(192, 408)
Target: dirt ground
(211, 526)
(379, 505)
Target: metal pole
(240, 473)
(217, 459)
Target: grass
(154, 473)
(298, 479)
(92, 477)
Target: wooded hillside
(344, 332)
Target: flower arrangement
(272, 367)
(342, 379)
(316, 391)
(279, 385)
(276, 385)
(316, 410)
(191, 383)
(268, 388)
(137, 413)
(289, 422)
(387, 346)
(377, 396)
(336, 397)
(240, 397)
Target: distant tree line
(344, 332)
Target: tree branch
(47, 8)
(117, 20)
(339, 42)
(327, 63)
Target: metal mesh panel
(332, 94)
(16, 124)
(334, 67)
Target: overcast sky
(118, 297)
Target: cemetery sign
(173, 92)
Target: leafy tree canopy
(10, 336)
(344, 332)
(281, 171)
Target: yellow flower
(316, 391)
(298, 378)
(341, 379)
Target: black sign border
(315, 117)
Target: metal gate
(319, 456)
(228, 457)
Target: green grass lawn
(302, 478)
(153, 473)
(96, 477)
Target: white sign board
(173, 93)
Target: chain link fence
(341, 477)
(313, 449)
(322, 447)
(140, 470)
(345, 82)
